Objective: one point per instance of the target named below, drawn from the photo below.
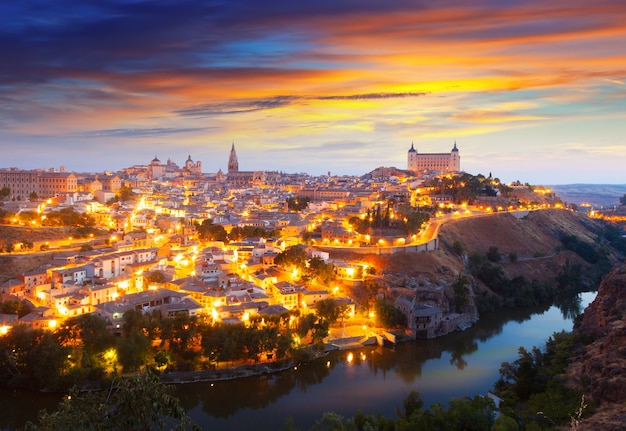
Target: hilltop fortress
(425, 163)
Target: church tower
(233, 164)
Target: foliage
(516, 292)
(615, 236)
(297, 204)
(31, 358)
(408, 220)
(293, 257)
(465, 188)
(132, 403)
(5, 192)
(14, 307)
(457, 248)
(570, 276)
(207, 231)
(68, 217)
(414, 221)
(88, 337)
(387, 315)
(238, 233)
(132, 350)
(155, 277)
(330, 310)
(124, 194)
(461, 295)
(493, 255)
(581, 248)
(465, 414)
(320, 270)
(530, 388)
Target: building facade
(45, 184)
(442, 163)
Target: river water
(375, 379)
(370, 379)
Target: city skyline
(530, 91)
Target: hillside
(598, 368)
(534, 239)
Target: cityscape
(293, 258)
(325, 216)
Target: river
(370, 379)
(375, 379)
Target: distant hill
(597, 195)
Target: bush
(493, 254)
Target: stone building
(441, 163)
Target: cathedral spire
(233, 164)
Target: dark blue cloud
(238, 107)
(139, 133)
(40, 40)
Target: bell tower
(233, 164)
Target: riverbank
(348, 339)
(230, 373)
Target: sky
(531, 90)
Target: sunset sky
(532, 90)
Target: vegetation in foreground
(533, 398)
(131, 403)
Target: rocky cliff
(600, 367)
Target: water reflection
(570, 306)
(369, 367)
(375, 379)
(223, 399)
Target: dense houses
(152, 258)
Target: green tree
(493, 254)
(329, 310)
(5, 192)
(88, 334)
(126, 193)
(297, 204)
(207, 231)
(132, 350)
(14, 307)
(461, 296)
(457, 248)
(320, 270)
(156, 277)
(31, 358)
(293, 257)
(133, 403)
(415, 221)
(387, 315)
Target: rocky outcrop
(600, 368)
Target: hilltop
(534, 239)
